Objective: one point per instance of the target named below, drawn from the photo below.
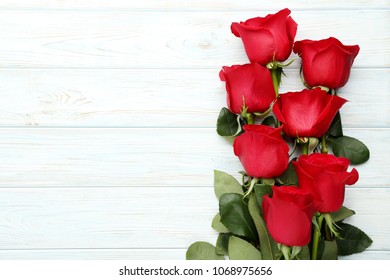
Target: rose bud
(326, 62)
(262, 151)
(267, 38)
(250, 85)
(325, 177)
(288, 215)
(308, 113)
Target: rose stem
(305, 148)
(324, 148)
(250, 119)
(274, 76)
(316, 238)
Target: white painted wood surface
(157, 97)
(107, 120)
(170, 39)
(202, 5)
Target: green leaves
(350, 148)
(221, 248)
(238, 219)
(345, 146)
(342, 214)
(336, 128)
(235, 216)
(353, 240)
(217, 225)
(240, 249)
(329, 250)
(304, 254)
(289, 177)
(225, 183)
(269, 121)
(260, 191)
(228, 124)
(243, 233)
(268, 246)
(202, 251)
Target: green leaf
(202, 251)
(330, 250)
(217, 225)
(350, 148)
(268, 181)
(342, 214)
(235, 216)
(242, 250)
(353, 240)
(336, 128)
(228, 124)
(260, 191)
(268, 247)
(269, 121)
(225, 183)
(289, 177)
(321, 248)
(304, 254)
(221, 248)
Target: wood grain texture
(141, 218)
(141, 157)
(136, 254)
(79, 39)
(107, 254)
(198, 5)
(107, 120)
(157, 97)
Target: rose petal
(286, 223)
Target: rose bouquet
(296, 158)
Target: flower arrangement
(289, 204)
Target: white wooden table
(108, 111)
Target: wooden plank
(156, 97)
(136, 254)
(202, 5)
(141, 218)
(94, 254)
(135, 218)
(141, 157)
(77, 39)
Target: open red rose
(308, 113)
(262, 151)
(326, 62)
(249, 83)
(325, 177)
(267, 38)
(288, 215)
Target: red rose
(269, 38)
(326, 62)
(308, 113)
(262, 151)
(249, 83)
(288, 215)
(325, 177)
